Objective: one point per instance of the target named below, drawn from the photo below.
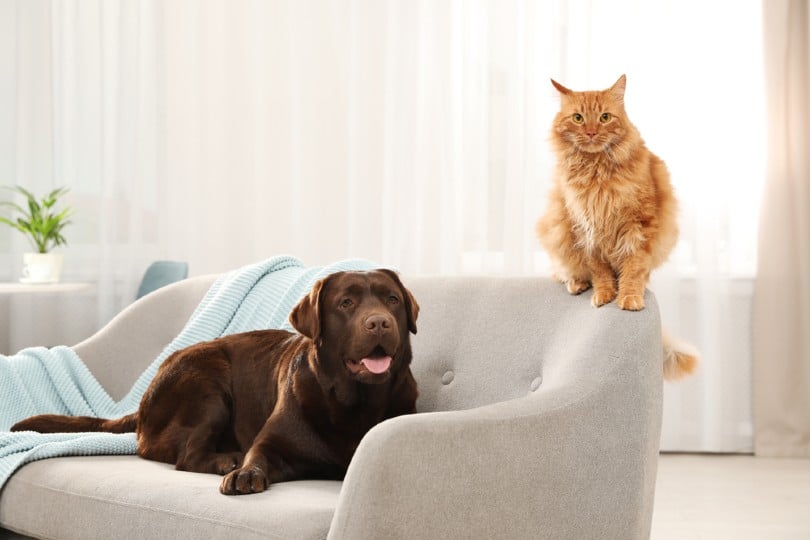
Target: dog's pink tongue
(377, 365)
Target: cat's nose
(590, 134)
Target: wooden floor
(719, 497)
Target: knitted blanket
(40, 380)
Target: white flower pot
(41, 267)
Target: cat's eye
(605, 118)
(578, 118)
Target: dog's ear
(305, 316)
(411, 307)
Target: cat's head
(591, 121)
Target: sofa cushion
(129, 497)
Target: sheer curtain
(781, 312)
(413, 133)
(80, 108)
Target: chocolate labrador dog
(268, 406)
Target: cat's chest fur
(599, 203)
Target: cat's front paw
(602, 296)
(577, 286)
(631, 302)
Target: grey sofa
(539, 417)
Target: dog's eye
(393, 300)
(346, 303)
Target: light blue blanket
(39, 380)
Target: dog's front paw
(631, 302)
(226, 463)
(243, 481)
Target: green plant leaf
(42, 226)
(28, 195)
(14, 206)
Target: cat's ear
(560, 88)
(617, 90)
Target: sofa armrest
(119, 352)
(565, 461)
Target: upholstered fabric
(103, 497)
(539, 417)
(542, 421)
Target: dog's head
(359, 322)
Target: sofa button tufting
(536, 383)
(448, 377)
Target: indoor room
(405, 269)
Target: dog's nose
(378, 324)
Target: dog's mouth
(378, 361)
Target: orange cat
(611, 214)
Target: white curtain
(782, 306)
(413, 133)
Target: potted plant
(42, 223)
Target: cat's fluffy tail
(680, 359)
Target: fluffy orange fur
(611, 215)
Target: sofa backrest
(482, 340)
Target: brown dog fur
(269, 406)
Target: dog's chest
(341, 421)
